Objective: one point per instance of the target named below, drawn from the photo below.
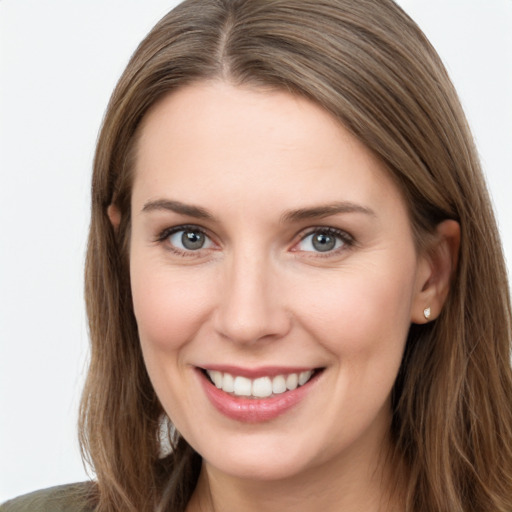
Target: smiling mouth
(261, 387)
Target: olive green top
(64, 498)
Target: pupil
(192, 240)
(323, 242)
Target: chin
(262, 469)
(259, 460)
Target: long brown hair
(370, 66)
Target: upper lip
(261, 371)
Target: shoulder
(64, 498)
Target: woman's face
(271, 254)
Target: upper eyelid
(166, 232)
(346, 238)
(327, 229)
(303, 233)
(162, 239)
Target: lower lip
(254, 410)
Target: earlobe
(114, 216)
(436, 270)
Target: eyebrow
(178, 207)
(321, 211)
(300, 214)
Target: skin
(259, 294)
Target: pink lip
(254, 410)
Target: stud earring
(426, 313)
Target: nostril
(252, 326)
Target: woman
(294, 275)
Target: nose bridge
(251, 305)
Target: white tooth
(292, 381)
(242, 386)
(278, 384)
(216, 378)
(304, 377)
(262, 387)
(228, 383)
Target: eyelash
(346, 239)
(164, 235)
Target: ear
(114, 216)
(435, 271)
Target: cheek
(169, 305)
(362, 310)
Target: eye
(324, 240)
(185, 239)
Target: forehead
(213, 141)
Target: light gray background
(59, 61)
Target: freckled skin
(259, 294)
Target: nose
(251, 306)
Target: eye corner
(174, 239)
(329, 241)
